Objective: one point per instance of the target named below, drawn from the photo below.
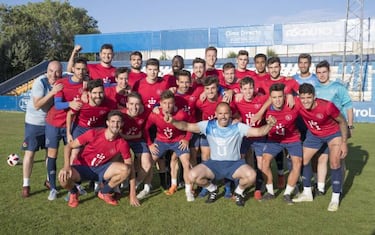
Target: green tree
(39, 31)
(232, 54)
(271, 53)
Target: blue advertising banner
(246, 36)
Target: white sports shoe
(142, 194)
(303, 198)
(52, 194)
(190, 196)
(81, 189)
(333, 206)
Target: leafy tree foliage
(39, 31)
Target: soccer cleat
(319, 193)
(142, 194)
(190, 196)
(212, 196)
(25, 191)
(47, 184)
(66, 198)
(81, 190)
(281, 181)
(52, 194)
(288, 199)
(240, 200)
(333, 206)
(73, 200)
(267, 197)
(172, 190)
(203, 192)
(107, 197)
(258, 195)
(303, 198)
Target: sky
(146, 15)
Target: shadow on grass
(355, 162)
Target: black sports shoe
(212, 196)
(288, 199)
(319, 193)
(240, 200)
(267, 197)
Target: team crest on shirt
(192, 98)
(168, 132)
(140, 121)
(102, 112)
(319, 116)
(257, 106)
(288, 117)
(112, 151)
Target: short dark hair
(304, 56)
(211, 80)
(228, 65)
(198, 60)
(260, 55)
(323, 64)
(183, 72)
(91, 84)
(136, 95)
(242, 52)
(273, 60)
(115, 112)
(277, 87)
(80, 60)
(167, 94)
(106, 46)
(121, 70)
(306, 88)
(153, 61)
(138, 53)
(210, 48)
(246, 80)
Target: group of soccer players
(103, 114)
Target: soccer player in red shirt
(210, 57)
(247, 107)
(230, 82)
(152, 86)
(177, 65)
(94, 162)
(325, 125)
(135, 73)
(168, 137)
(242, 62)
(199, 71)
(135, 117)
(67, 97)
(103, 70)
(284, 135)
(118, 94)
(261, 74)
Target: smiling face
(323, 75)
(211, 91)
(223, 114)
(96, 96)
(304, 67)
(183, 84)
(54, 72)
(277, 98)
(307, 100)
(248, 91)
(274, 70)
(114, 124)
(199, 70)
(242, 61)
(167, 105)
(134, 106)
(106, 56)
(136, 62)
(79, 71)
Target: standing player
(242, 62)
(177, 65)
(210, 56)
(260, 62)
(225, 161)
(135, 117)
(42, 93)
(67, 98)
(305, 76)
(325, 125)
(94, 162)
(248, 106)
(135, 73)
(284, 135)
(103, 70)
(170, 138)
(338, 94)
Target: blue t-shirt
(312, 79)
(225, 142)
(337, 93)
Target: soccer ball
(13, 159)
